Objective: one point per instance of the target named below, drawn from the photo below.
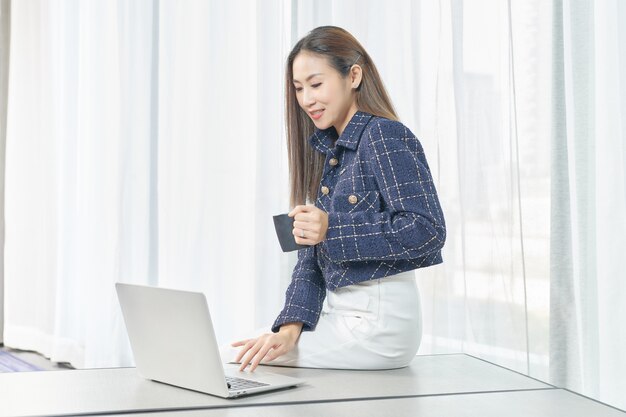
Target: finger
(302, 216)
(250, 351)
(302, 240)
(295, 210)
(259, 357)
(311, 229)
(248, 357)
(240, 354)
(297, 232)
(309, 208)
(239, 343)
(302, 223)
(243, 350)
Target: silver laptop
(173, 341)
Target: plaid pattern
(384, 215)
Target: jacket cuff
(294, 314)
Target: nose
(307, 97)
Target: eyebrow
(309, 77)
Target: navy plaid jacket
(384, 215)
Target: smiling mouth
(316, 114)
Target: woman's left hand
(312, 220)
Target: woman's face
(327, 98)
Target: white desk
(119, 390)
(536, 403)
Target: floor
(36, 359)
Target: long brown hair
(341, 50)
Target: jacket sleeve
(412, 223)
(305, 294)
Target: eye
(314, 85)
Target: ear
(356, 76)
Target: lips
(316, 114)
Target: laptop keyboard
(235, 384)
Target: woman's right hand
(258, 348)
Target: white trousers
(375, 324)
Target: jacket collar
(322, 140)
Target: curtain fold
(589, 199)
(5, 42)
(484, 112)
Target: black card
(284, 230)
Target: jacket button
(333, 162)
(325, 190)
(352, 199)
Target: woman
(376, 218)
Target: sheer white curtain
(484, 104)
(147, 145)
(474, 86)
(165, 161)
(80, 207)
(222, 157)
(5, 25)
(588, 289)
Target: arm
(412, 225)
(305, 294)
